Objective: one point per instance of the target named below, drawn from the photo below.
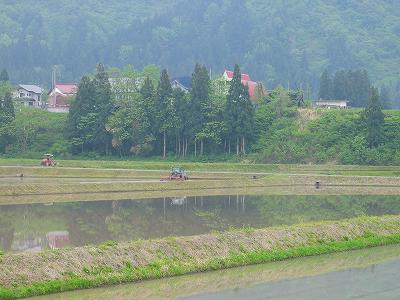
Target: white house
(29, 95)
(332, 103)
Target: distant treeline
(355, 86)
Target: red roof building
(60, 97)
(58, 239)
(246, 81)
(67, 88)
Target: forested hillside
(279, 42)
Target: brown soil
(61, 191)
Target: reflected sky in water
(363, 274)
(32, 227)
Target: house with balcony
(29, 95)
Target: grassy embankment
(29, 274)
(211, 282)
(245, 166)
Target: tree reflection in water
(28, 227)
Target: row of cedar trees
(351, 85)
(7, 113)
(157, 118)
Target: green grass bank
(30, 274)
(102, 165)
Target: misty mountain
(287, 42)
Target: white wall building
(332, 103)
(29, 95)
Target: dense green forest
(287, 42)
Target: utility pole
(53, 83)
(53, 77)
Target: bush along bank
(30, 274)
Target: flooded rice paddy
(33, 227)
(363, 274)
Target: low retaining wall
(29, 274)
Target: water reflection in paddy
(37, 226)
(363, 274)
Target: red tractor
(48, 161)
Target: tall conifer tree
(239, 111)
(385, 97)
(199, 100)
(166, 114)
(340, 83)
(79, 129)
(7, 116)
(7, 109)
(150, 107)
(325, 87)
(374, 119)
(4, 76)
(103, 108)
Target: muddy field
(40, 185)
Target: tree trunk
(183, 146)
(237, 146)
(201, 147)
(229, 147)
(176, 145)
(244, 145)
(179, 145)
(224, 145)
(195, 148)
(186, 147)
(165, 144)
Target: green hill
(278, 42)
(37, 132)
(298, 136)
